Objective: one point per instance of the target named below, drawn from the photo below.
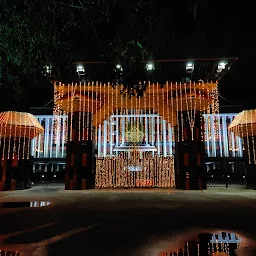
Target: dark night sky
(229, 31)
(239, 84)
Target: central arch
(135, 148)
(89, 106)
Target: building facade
(110, 136)
(221, 146)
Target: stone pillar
(190, 168)
(80, 166)
(251, 167)
(15, 173)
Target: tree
(34, 34)
(37, 33)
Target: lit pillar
(111, 136)
(232, 139)
(158, 136)
(123, 129)
(164, 138)
(146, 129)
(220, 136)
(225, 136)
(46, 137)
(105, 134)
(233, 238)
(117, 131)
(152, 132)
(213, 136)
(99, 140)
(58, 138)
(240, 146)
(206, 118)
(33, 147)
(170, 138)
(116, 141)
(233, 144)
(39, 142)
(190, 154)
(51, 137)
(80, 152)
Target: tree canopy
(36, 33)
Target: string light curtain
(104, 100)
(244, 126)
(114, 172)
(16, 131)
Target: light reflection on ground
(201, 243)
(8, 253)
(24, 204)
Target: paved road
(119, 222)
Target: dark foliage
(37, 33)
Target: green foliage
(35, 33)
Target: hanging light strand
(80, 111)
(24, 140)
(19, 142)
(10, 138)
(108, 113)
(181, 113)
(247, 137)
(177, 110)
(117, 139)
(252, 135)
(1, 134)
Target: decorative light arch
(89, 104)
(166, 100)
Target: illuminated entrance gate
(134, 136)
(136, 152)
(120, 171)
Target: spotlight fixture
(129, 68)
(190, 67)
(149, 67)
(221, 66)
(119, 67)
(48, 69)
(80, 70)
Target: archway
(179, 105)
(136, 152)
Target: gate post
(190, 168)
(80, 152)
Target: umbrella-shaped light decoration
(244, 126)
(16, 131)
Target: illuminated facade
(224, 143)
(158, 136)
(107, 141)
